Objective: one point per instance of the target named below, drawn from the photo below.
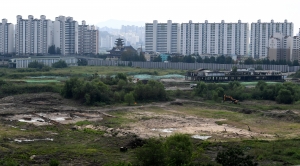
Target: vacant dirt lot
(151, 120)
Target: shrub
(60, 64)
(234, 157)
(53, 162)
(36, 65)
(284, 96)
(151, 153)
(178, 149)
(129, 98)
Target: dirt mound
(35, 98)
(283, 115)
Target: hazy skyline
(95, 11)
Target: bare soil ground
(151, 120)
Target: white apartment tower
(162, 37)
(33, 36)
(296, 49)
(6, 37)
(261, 32)
(66, 35)
(214, 38)
(88, 39)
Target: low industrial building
(239, 75)
(46, 60)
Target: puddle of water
(59, 119)
(169, 130)
(32, 120)
(32, 140)
(201, 137)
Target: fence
(191, 66)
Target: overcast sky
(95, 11)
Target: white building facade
(6, 37)
(33, 36)
(296, 49)
(214, 38)
(88, 39)
(48, 61)
(65, 35)
(162, 37)
(261, 32)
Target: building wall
(261, 32)
(33, 36)
(6, 37)
(88, 37)
(214, 38)
(162, 37)
(191, 66)
(295, 50)
(66, 35)
(48, 61)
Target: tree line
(285, 93)
(108, 90)
(250, 61)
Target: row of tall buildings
(36, 36)
(215, 38)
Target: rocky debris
(32, 157)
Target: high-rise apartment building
(162, 37)
(88, 39)
(6, 37)
(295, 50)
(66, 35)
(33, 36)
(280, 47)
(214, 38)
(261, 32)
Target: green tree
(212, 59)
(157, 59)
(249, 61)
(206, 60)
(220, 59)
(199, 59)
(36, 65)
(129, 98)
(82, 62)
(229, 60)
(188, 59)
(179, 150)
(51, 49)
(284, 96)
(58, 50)
(60, 64)
(234, 69)
(152, 153)
(295, 63)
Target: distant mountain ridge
(117, 24)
